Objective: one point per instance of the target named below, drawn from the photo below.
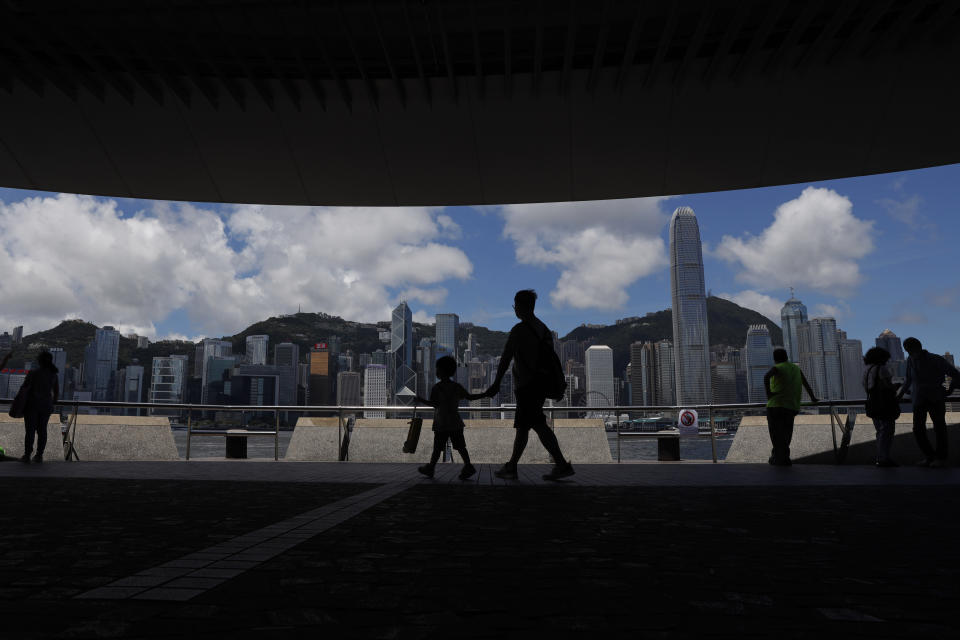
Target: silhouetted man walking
(523, 348)
(925, 377)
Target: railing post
(276, 436)
(618, 437)
(189, 429)
(339, 430)
(713, 432)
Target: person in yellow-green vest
(784, 384)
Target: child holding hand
(447, 423)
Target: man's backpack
(549, 370)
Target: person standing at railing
(926, 373)
(881, 406)
(523, 348)
(43, 393)
(784, 384)
(445, 397)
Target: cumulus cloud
(80, 256)
(759, 302)
(815, 241)
(600, 247)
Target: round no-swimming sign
(687, 419)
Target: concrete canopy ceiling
(407, 102)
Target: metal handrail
(340, 410)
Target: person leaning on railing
(784, 385)
(924, 381)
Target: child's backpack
(549, 370)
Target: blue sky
(874, 252)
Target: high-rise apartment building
(100, 363)
(598, 362)
(375, 390)
(168, 383)
(691, 343)
(18, 334)
(348, 389)
(447, 333)
(851, 366)
(257, 349)
(666, 378)
(792, 315)
(402, 377)
(820, 357)
(758, 353)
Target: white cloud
(815, 242)
(426, 296)
(80, 256)
(759, 302)
(423, 317)
(600, 247)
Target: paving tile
(166, 593)
(110, 593)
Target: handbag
(19, 404)
(882, 402)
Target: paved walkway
(264, 549)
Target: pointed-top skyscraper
(691, 343)
(793, 314)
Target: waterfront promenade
(251, 548)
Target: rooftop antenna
(791, 293)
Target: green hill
(728, 326)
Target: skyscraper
(820, 357)
(758, 352)
(286, 357)
(448, 329)
(691, 343)
(897, 364)
(60, 362)
(793, 314)
(375, 389)
(666, 378)
(402, 377)
(648, 374)
(599, 369)
(168, 383)
(18, 334)
(257, 349)
(851, 366)
(100, 363)
(131, 388)
(348, 388)
(321, 377)
(636, 374)
(210, 348)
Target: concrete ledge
(813, 442)
(488, 441)
(314, 439)
(11, 438)
(381, 440)
(124, 438)
(581, 440)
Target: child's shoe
(467, 471)
(426, 469)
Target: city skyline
(591, 262)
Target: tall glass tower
(448, 326)
(793, 314)
(691, 344)
(758, 351)
(401, 376)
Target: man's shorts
(529, 414)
